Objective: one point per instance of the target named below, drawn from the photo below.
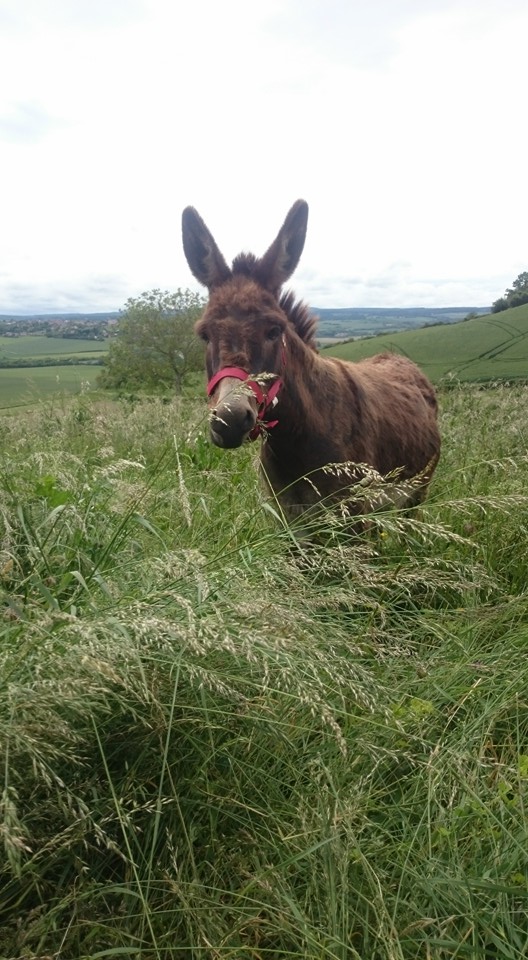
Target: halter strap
(265, 400)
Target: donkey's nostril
(249, 420)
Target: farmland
(486, 348)
(27, 386)
(35, 368)
(35, 347)
(217, 745)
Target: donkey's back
(397, 407)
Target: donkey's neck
(310, 392)
(308, 435)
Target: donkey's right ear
(203, 256)
(279, 262)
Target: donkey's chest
(304, 485)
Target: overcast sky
(401, 122)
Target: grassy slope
(212, 747)
(487, 348)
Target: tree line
(516, 295)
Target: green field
(30, 346)
(218, 744)
(494, 347)
(23, 386)
(29, 385)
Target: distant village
(99, 326)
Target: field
(217, 743)
(25, 386)
(486, 348)
(36, 347)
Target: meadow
(217, 742)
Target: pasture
(217, 743)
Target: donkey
(329, 425)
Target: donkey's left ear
(201, 250)
(279, 262)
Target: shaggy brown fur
(380, 413)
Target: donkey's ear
(279, 262)
(203, 255)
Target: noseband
(266, 401)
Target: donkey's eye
(273, 333)
(204, 336)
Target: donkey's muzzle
(232, 423)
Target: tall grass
(217, 744)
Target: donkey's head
(243, 323)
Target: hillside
(492, 347)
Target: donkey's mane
(244, 265)
(300, 316)
(298, 313)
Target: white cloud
(398, 123)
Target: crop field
(32, 346)
(486, 348)
(25, 386)
(220, 743)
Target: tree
(521, 283)
(499, 305)
(514, 296)
(155, 344)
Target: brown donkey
(326, 422)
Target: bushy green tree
(514, 296)
(155, 344)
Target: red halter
(266, 401)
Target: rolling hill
(492, 347)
